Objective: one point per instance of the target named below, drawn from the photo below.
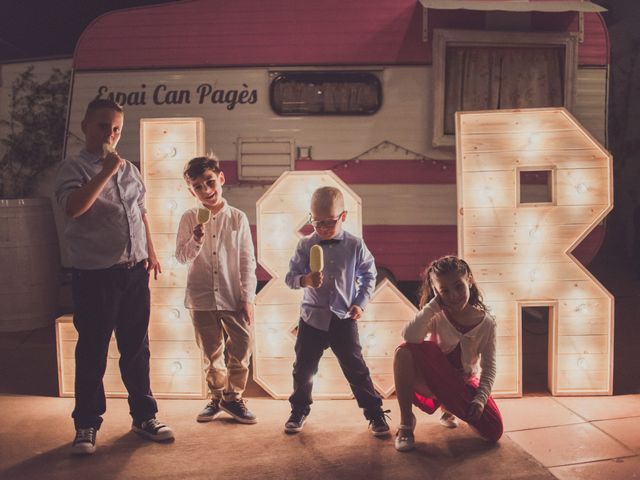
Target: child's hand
(313, 280)
(246, 309)
(198, 232)
(153, 264)
(355, 312)
(111, 163)
(475, 412)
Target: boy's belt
(126, 265)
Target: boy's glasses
(328, 223)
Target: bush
(36, 129)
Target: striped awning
(515, 5)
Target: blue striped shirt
(112, 230)
(349, 278)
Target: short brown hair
(98, 103)
(326, 198)
(198, 165)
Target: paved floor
(578, 437)
(546, 437)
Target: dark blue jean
(105, 301)
(343, 339)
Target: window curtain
(482, 78)
(327, 97)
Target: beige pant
(225, 381)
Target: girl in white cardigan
(449, 358)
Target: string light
(386, 144)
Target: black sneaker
(85, 441)
(153, 430)
(295, 422)
(238, 410)
(378, 423)
(211, 411)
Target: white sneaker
(405, 439)
(449, 420)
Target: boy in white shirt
(221, 286)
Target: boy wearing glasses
(221, 287)
(333, 301)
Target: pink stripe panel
(375, 172)
(380, 172)
(206, 33)
(406, 250)
(255, 32)
(595, 48)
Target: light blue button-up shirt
(349, 278)
(112, 230)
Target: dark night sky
(42, 28)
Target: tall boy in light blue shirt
(333, 301)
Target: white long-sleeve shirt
(478, 345)
(222, 267)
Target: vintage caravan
(366, 89)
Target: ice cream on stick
(204, 215)
(316, 259)
(107, 148)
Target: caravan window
(483, 78)
(480, 70)
(326, 93)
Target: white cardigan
(478, 345)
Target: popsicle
(204, 215)
(316, 259)
(107, 148)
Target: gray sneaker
(210, 411)
(238, 410)
(85, 441)
(295, 421)
(153, 430)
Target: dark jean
(343, 339)
(111, 300)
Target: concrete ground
(565, 438)
(570, 438)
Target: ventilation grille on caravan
(264, 158)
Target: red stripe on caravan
(202, 33)
(405, 250)
(374, 172)
(209, 33)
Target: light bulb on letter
(176, 367)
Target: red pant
(451, 389)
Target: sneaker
(295, 422)
(211, 411)
(238, 410)
(448, 420)
(153, 430)
(85, 441)
(405, 440)
(378, 423)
